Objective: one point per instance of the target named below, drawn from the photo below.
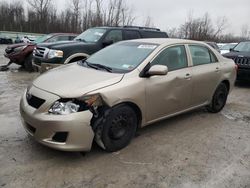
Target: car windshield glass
(42, 38)
(228, 46)
(91, 35)
(243, 47)
(122, 57)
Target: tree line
(204, 29)
(41, 16)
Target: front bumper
(43, 67)
(243, 74)
(43, 126)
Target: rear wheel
(219, 99)
(116, 128)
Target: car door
(206, 74)
(170, 93)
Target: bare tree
(76, 15)
(221, 25)
(245, 32)
(41, 8)
(148, 22)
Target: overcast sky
(171, 13)
(166, 14)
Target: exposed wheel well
(137, 111)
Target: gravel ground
(193, 150)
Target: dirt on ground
(194, 150)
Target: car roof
(62, 34)
(137, 28)
(167, 41)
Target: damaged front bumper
(62, 132)
(43, 67)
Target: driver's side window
(173, 57)
(114, 35)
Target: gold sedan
(124, 87)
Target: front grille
(39, 52)
(242, 61)
(34, 101)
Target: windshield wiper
(89, 64)
(97, 66)
(109, 69)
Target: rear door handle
(188, 76)
(217, 69)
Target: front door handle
(188, 76)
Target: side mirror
(231, 49)
(157, 70)
(107, 42)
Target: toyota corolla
(121, 88)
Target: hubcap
(119, 127)
(220, 99)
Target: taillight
(236, 67)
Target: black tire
(219, 99)
(28, 63)
(116, 128)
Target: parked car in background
(5, 40)
(241, 56)
(214, 45)
(220, 45)
(121, 88)
(47, 56)
(226, 48)
(21, 53)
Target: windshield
(42, 38)
(243, 47)
(122, 57)
(228, 46)
(91, 35)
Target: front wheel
(28, 63)
(117, 128)
(219, 99)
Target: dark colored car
(241, 56)
(5, 40)
(214, 45)
(21, 53)
(47, 56)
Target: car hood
(62, 44)
(19, 45)
(72, 81)
(237, 54)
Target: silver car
(124, 87)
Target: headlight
(19, 49)
(69, 106)
(54, 53)
(64, 108)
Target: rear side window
(131, 34)
(72, 37)
(58, 38)
(114, 35)
(201, 55)
(173, 57)
(153, 34)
